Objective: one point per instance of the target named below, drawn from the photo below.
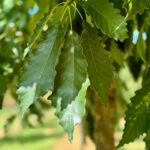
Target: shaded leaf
(106, 17)
(148, 46)
(71, 71)
(117, 54)
(100, 69)
(141, 48)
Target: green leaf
(100, 69)
(117, 54)
(148, 46)
(147, 140)
(137, 115)
(106, 17)
(71, 71)
(41, 67)
(74, 112)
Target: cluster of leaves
(84, 43)
(67, 57)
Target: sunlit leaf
(72, 115)
(106, 17)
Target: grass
(42, 137)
